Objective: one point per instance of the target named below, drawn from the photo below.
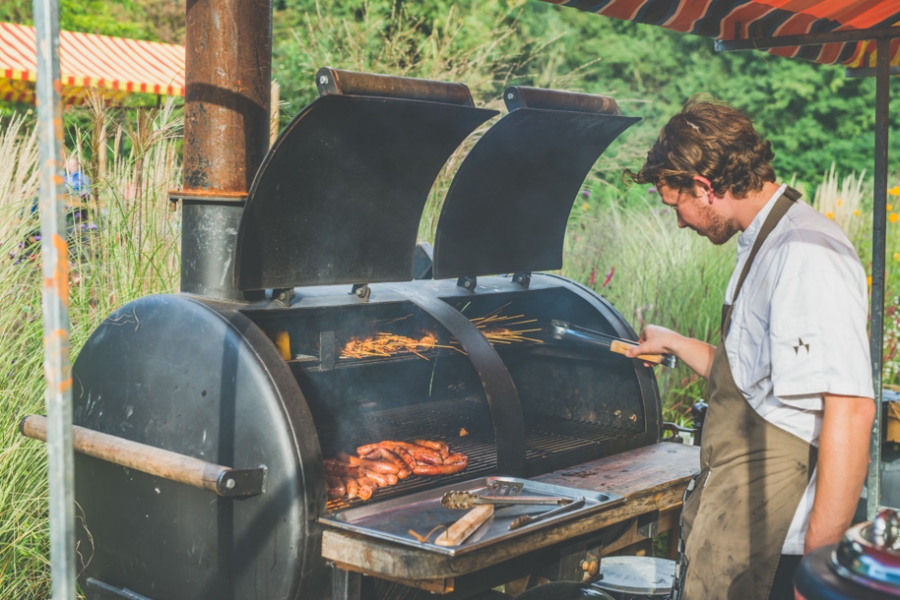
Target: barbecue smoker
(253, 395)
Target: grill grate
(546, 434)
(442, 420)
(433, 420)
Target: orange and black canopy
(744, 19)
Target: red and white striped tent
(109, 66)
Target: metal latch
(648, 524)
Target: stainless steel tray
(392, 519)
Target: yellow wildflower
(840, 201)
(869, 280)
(894, 191)
(585, 206)
(829, 214)
(893, 217)
(897, 256)
(856, 213)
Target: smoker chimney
(226, 133)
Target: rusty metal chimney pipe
(228, 66)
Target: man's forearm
(696, 354)
(842, 463)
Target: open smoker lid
(339, 196)
(508, 205)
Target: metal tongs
(567, 332)
(466, 500)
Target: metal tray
(392, 519)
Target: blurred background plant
(621, 242)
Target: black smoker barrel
(273, 386)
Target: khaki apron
(753, 476)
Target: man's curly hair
(710, 139)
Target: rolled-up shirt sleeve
(818, 337)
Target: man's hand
(696, 354)
(842, 464)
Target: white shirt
(798, 329)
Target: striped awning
(743, 19)
(109, 66)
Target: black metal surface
(816, 580)
(334, 81)
(209, 233)
(499, 389)
(202, 380)
(339, 197)
(110, 591)
(508, 205)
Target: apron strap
(782, 205)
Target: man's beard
(717, 229)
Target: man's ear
(703, 188)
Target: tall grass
(127, 247)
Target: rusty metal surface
(508, 205)
(340, 196)
(55, 265)
(228, 66)
(334, 81)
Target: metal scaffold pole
(54, 256)
(879, 218)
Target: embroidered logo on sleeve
(799, 345)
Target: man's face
(695, 212)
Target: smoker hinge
(283, 295)
(362, 291)
(648, 524)
(467, 283)
(326, 350)
(523, 278)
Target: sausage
(386, 455)
(439, 469)
(366, 486)
(420, 453)
(379, 479)
(392, 479)
(368, 448)
(406, 457)
(440, 447)
(379, 466)
(335, 467)
(335, 486)
(352, 487)
(404, 472)
(456, 458)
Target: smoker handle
(224, 481)
(338, 82)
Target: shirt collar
(748, 236)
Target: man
(786, 438)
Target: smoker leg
(345, 585)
